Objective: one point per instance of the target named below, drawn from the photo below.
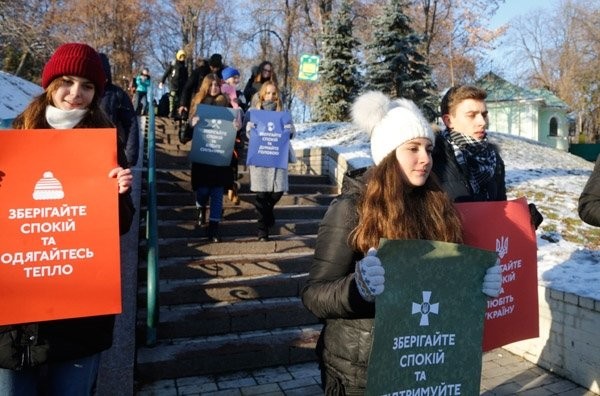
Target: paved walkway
(503, 374)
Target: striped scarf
(477, 156)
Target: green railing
(151, 228)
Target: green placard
(309, 68)
(429, 320)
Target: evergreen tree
(338, 73)
(395, 65)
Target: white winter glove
(249, 126)
(369, 276)
(291, 129)
(492, 281)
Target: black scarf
(478, 156)
(269, 105)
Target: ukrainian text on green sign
(429, 320)
(309, 68)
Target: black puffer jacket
(117, 105)
(332, 295)
(589, 200)
(454, 177)
(177, 74)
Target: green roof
(500, 90)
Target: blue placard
(269, 141)
(214, 135)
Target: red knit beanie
(74, 59)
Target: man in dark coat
(203, 67)
(467, 165)
(117, 105)
(178, 74)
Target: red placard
(59, 251)
(505, 227)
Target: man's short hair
(455, 95)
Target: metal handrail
(151, 229)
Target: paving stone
(264, 389)
(577, 392)
(226, 392)
(312, 390)
(272, 375)
(197, 389)
(505, 389)
(297, 383)
(201, 379)
(536, 392)
(162, 384)
(561, 386)
(158, 392)
(530, 380)
(305, 370)
(236, 380)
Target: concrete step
(244, 211)
(229, 266)
(212, 290)
(209, 319)
(236, 304)
(200, 247)
(178, 175)
(222, 354)
(233, 229)
(188, 198)
(303, 188)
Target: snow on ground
(15, 95)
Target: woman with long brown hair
(269, 183)
(265, 72)
(397, 198)
(209, 181)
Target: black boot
(202, 215)
(213, 231)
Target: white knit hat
(389, 123)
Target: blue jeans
(216, 201)
(141, 103)
(73, 377)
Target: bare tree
(456, 35)
(118, 28)
(26, 29)
(557, 50)
(275, 27)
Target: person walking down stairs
(269, 183)
(209, 181)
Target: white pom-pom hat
(390, 123)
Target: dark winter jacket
(454, 177)
(332, 295)
(32, 344)
(178, 74)
(117, 105)
(455, 181)
(192, 85)
(589, 200)
(250, 91)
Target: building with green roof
(535, 114)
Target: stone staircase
(232, 305)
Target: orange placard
(505, 227)
(59, 251)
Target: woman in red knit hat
(61, 357)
